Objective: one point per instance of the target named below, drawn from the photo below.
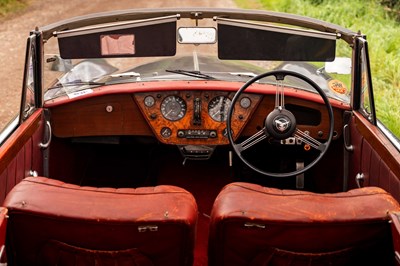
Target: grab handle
(49, 133)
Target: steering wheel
(280, 123)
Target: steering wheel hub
(280, 124)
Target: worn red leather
(255, 225)
(51, 221)
(3, 226)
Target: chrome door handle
(49, 133)
(346, 134)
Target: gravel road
(15, 30)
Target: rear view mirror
(341, 65)
(197, 35)
(59, 64)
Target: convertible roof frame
(115, 26)
(196, 13)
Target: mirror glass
(341, 65)
(197, 35)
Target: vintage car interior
(198, 137)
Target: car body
(198, 136)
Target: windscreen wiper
(76, 83)
(191, 73)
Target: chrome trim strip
(2, 254)
(393, 139)
(9, 129)
(397, 257)
(274, 28)
(115, 26)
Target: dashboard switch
(213, 134)
(181, 134)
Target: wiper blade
(76, 83)
(191, 73)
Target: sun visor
(239, 40)
(152, 37)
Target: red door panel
(374, 156)
(21, 153)
(378, 161)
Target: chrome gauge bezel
(149, 101)
(218, 108)
(173, 108)
(245, 102)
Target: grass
(383, 35)
(11, 6)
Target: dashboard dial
(149, 101)
(173, 108)
(166, 132)
(245, 102)
(218, 108)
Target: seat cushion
(267, 226)
(48, 217)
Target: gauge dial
(218, 108)
(166, 132)
(149, 101)
(173, 108)
(245, 102)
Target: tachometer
(218, 108)
(173, 108)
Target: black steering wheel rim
(279, 73)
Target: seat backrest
(255, 225)
(54, 223)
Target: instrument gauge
(218, 108)
(166, 132)
(245, 102)
(173, 108)
(149, 101)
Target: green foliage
(11, 6)
(391, 3)
(375, 19)
(392, 7)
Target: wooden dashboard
(195, 117)
(183, 117)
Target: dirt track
(15, 30)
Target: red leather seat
(255, 225)
(54, 223)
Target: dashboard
(195, 117)
(183, 113)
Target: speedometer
(218, 108)
(173, 108)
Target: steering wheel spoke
(251, 141)
(280, 123)
(310, 140)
